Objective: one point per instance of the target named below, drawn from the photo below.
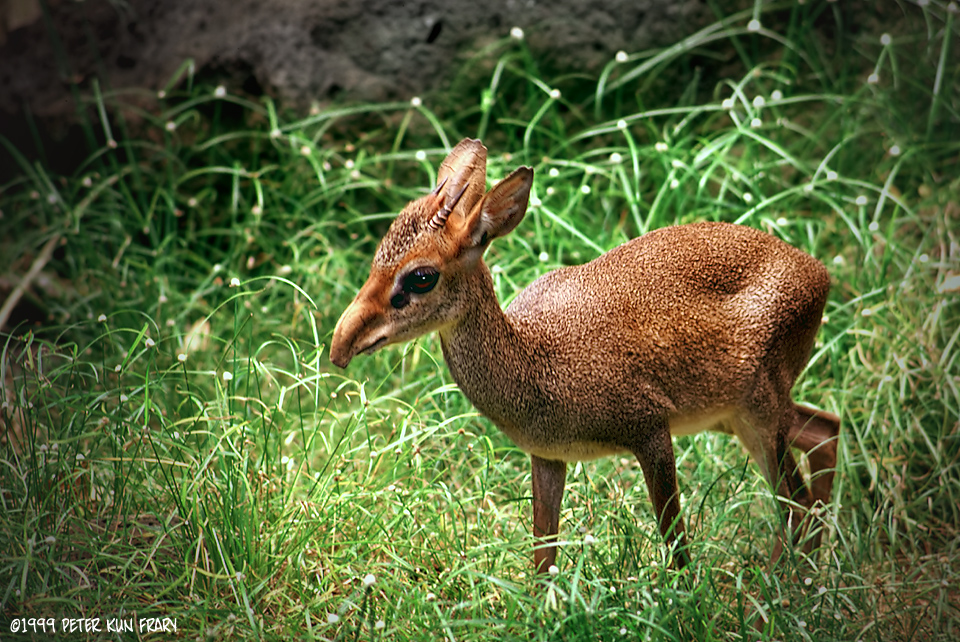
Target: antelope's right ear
(499, 211)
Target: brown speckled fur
(701, 326)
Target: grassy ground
(176, 443)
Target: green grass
(177, 444)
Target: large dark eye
(420, 280)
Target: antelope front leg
(548, 480)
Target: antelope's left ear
(499, 211)
(461, 179)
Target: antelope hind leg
(657, 460)
(815, 433)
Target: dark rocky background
(307, 53)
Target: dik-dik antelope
(686, 328)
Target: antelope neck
(483, 329)
(485, 351)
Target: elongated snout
(361, 328)
(345, 335)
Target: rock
(305, 52)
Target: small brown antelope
(687, 328)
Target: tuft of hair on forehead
(404, 233)
(461, 182)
